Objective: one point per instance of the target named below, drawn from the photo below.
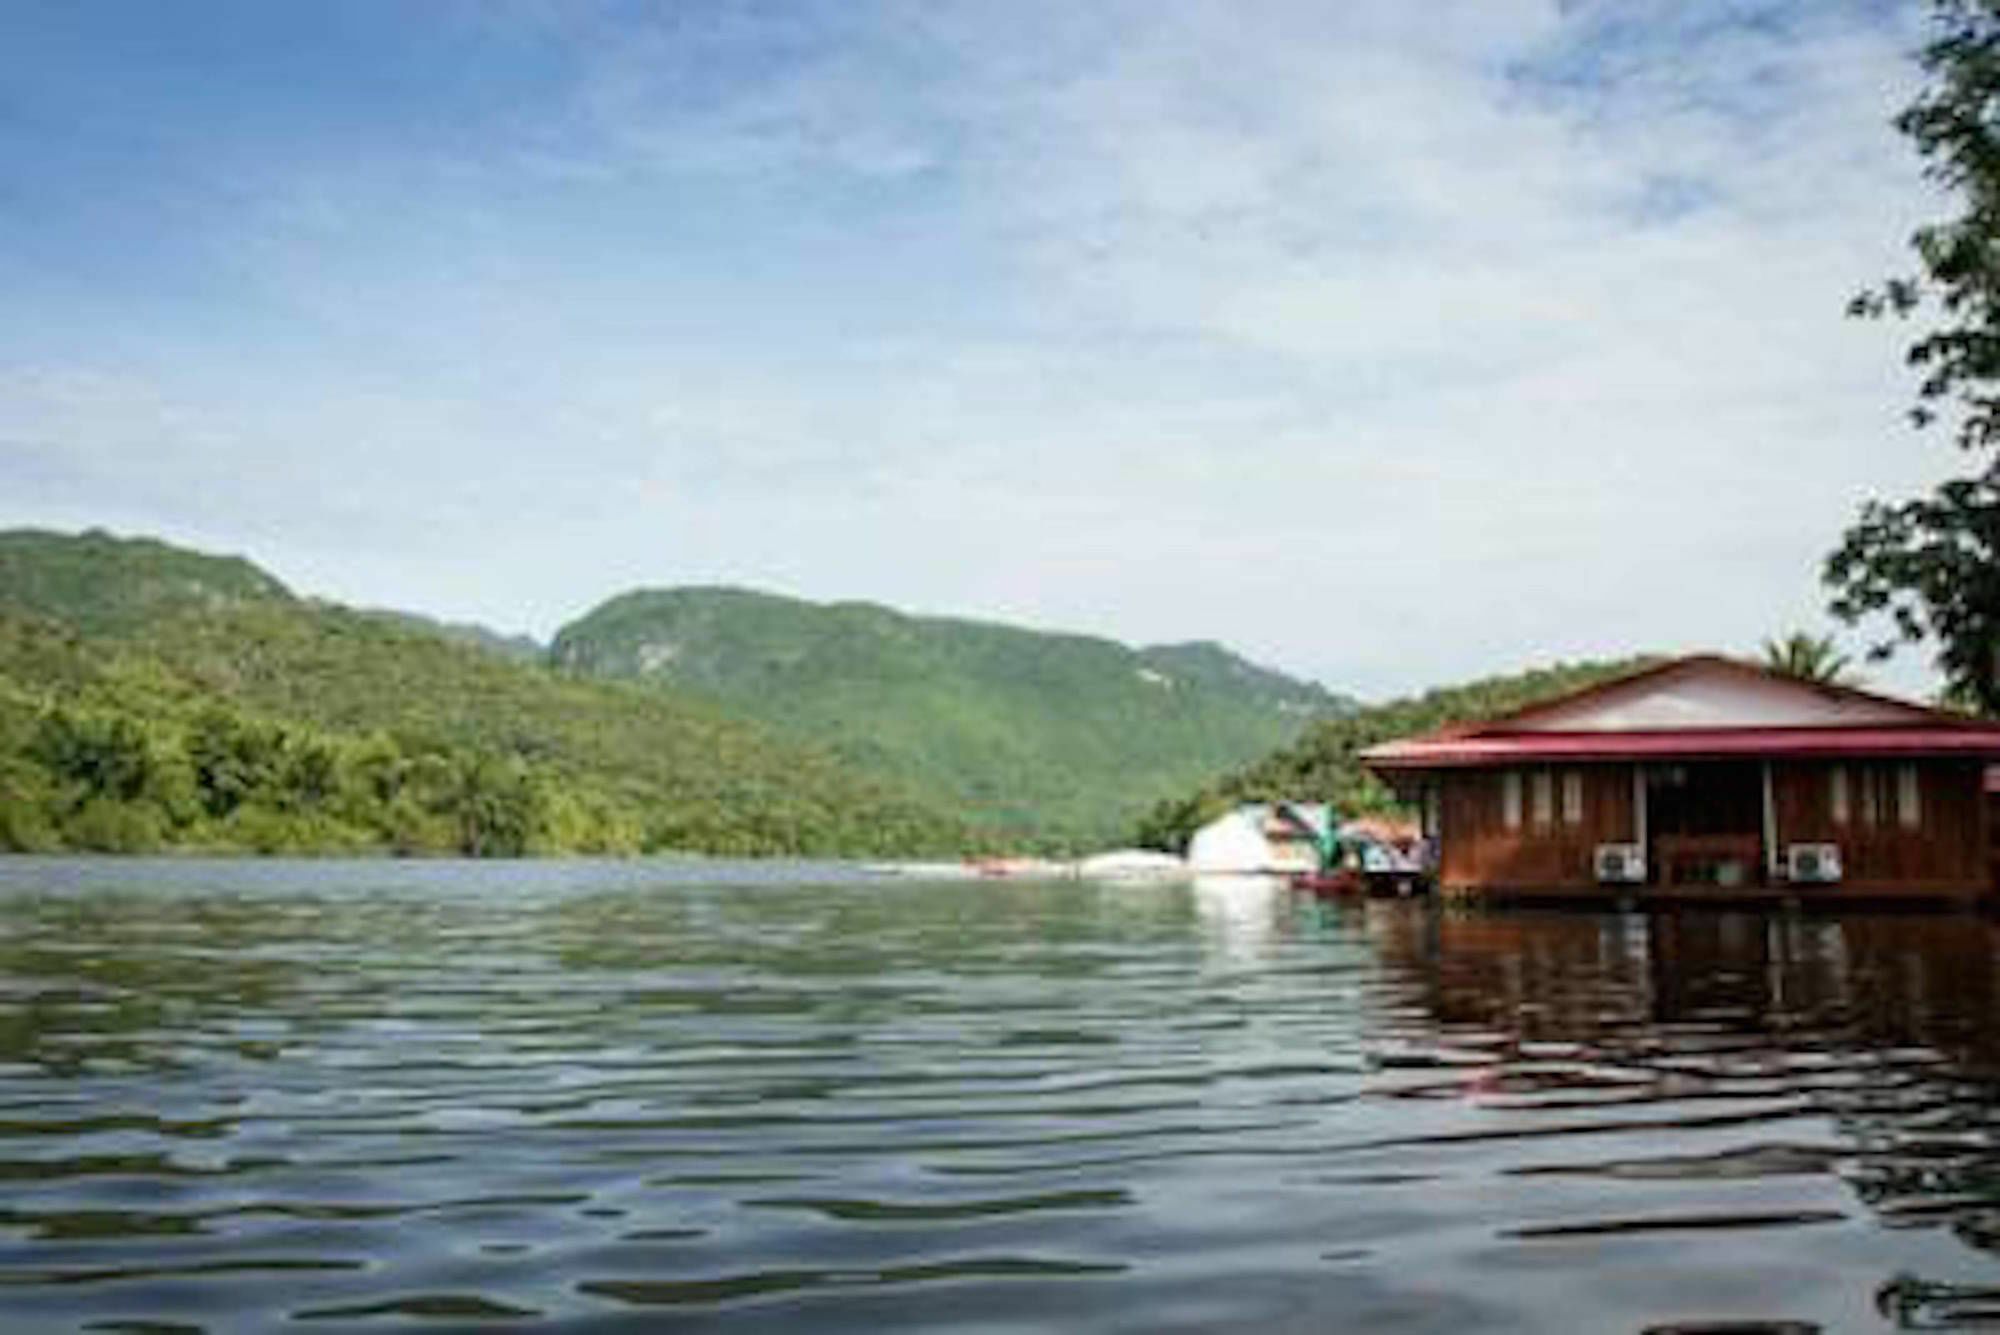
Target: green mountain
(1208, 664)
(101, 583)
(154, 697)
(520, 648)
(1323, 765)
(1057, 737)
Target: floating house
(1705, 776)
(1262, 838)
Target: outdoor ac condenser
(1620, 863)
(1812, 863)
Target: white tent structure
(1261, 838)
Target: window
(1545, 797)
(1510, 799)
(1836, 780)
(1573, 797)
(1871, 794)
(1909, 808)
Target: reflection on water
(1242, 916)
(611, 1096)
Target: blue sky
(1388, 343)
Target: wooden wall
(1993, 840)
(1944, 851)
(1951, 851)
(1478, 848)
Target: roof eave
(1972, 742)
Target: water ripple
(599, 1096)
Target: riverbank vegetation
(274, 725)
(153, 698)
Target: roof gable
(1709, 694)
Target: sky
(1389, 344)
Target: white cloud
(1393, 343)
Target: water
(641, 1096)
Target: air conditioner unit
(1624, 863)
(1812, 862)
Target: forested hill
(520, 648)
(1324, 765)
(1205, 663)
(1063, 738)
(100, 583)
(152, 697)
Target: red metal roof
(1513, 738)
(1446, 752)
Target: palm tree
(1812, 658)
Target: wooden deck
(1709, 861)
(1842, 895)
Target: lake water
(638, 1096)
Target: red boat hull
(1330, 883)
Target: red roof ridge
(1977, 742)
(1681, 664)
(1944, 723)
(1921, 717)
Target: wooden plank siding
(1478, 849)
(1953, 849)
(1993, 840)
(1942, 852)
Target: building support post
(1639, 815)
(1770, 830)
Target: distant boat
(1379, 871)
(1374, 855)
(1037, 869)
(1340, 881)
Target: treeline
(156, 698)
(110, 782)
(1325, 766)
(269, 727)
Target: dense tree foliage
(1061, 740)
(1325, 766)
(1930, 567)
(181, 702)
(523, 648)
(271, 724)
(101, 583)
(103, 780)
